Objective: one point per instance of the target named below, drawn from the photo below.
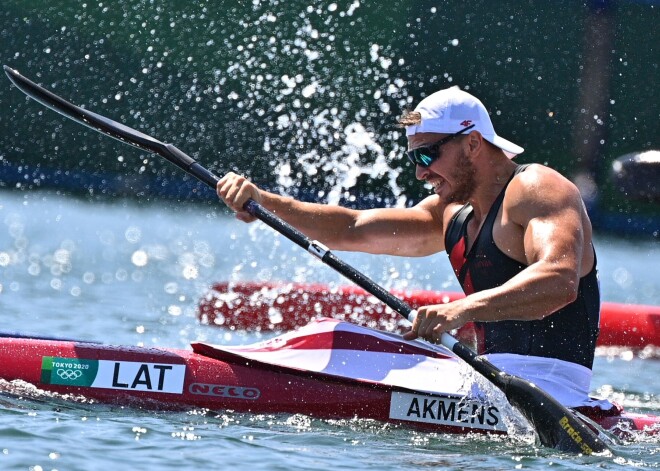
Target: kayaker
(518, 237)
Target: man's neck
(493, 174)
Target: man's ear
(475, 141)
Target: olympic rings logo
(69, 374)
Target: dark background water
(296, 94)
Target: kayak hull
(148, 378)
(172, 379)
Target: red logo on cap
(466, 123)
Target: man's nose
(421, 172)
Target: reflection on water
(77, 250)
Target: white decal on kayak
(128, 375)
(221, 390)
(458, 412)
(154, 377)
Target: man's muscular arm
(549, 210)
(411, 232)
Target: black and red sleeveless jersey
(569, 334)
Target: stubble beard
(464, 181)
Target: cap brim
(509, 148)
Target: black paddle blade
(556, 426)
(81, 116)
(111, 128)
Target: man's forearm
(534, 293)
(327, 224)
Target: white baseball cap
(450, 110)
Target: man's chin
(453, 198)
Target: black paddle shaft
(556, 426)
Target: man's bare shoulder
(543, 194)
(540, 183)
(437, 208)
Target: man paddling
(518, 237)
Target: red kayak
(285, 306)
(332, 370)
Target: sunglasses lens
(420, 157)
(425, 158)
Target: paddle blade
(556, 426)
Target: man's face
(451, 172)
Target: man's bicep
(552, 225)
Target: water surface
(131, 273)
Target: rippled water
(129, 273)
